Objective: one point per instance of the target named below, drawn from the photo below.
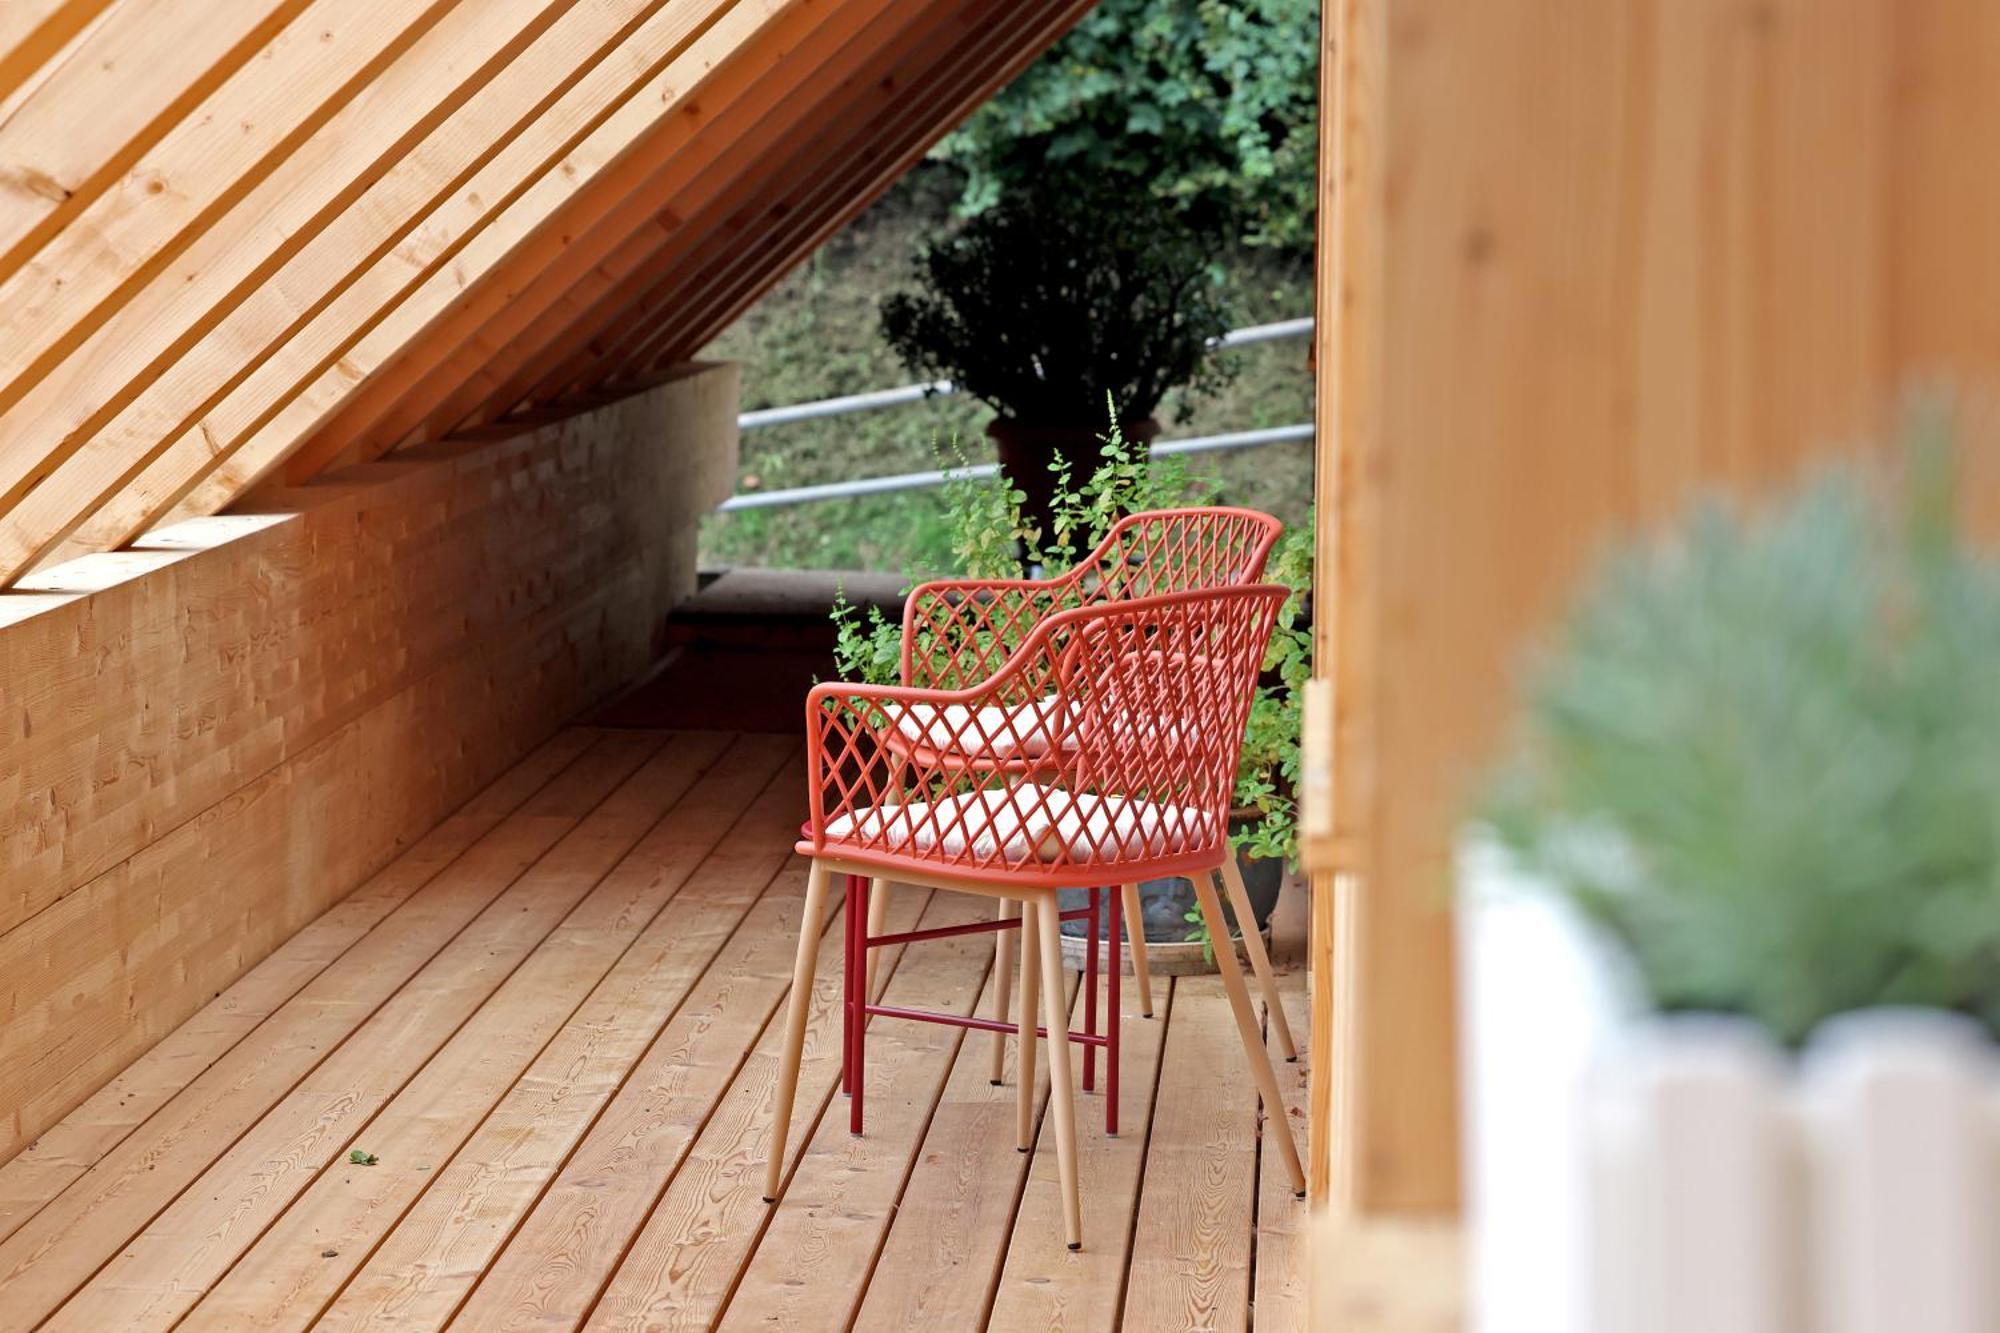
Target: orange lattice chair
(956, 632)
(1101, 750)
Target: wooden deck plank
(1279, 1298)
(303, 1260)
(513, 1182)
(811, 1268)
(958, 1208)
(66, 1241)
(155, 1276)
(1191, 1240)
(686, 1136)
(683, 1267)
(1043, 1286)
(50, 1164)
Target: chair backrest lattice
(1138, 714)
(956, 632)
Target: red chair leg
(847, 920)
(1090, 993)
(858, 967)
(1114, 981)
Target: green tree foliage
(1211, 104)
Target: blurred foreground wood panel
(1582, 260)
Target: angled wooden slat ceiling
(248, 241)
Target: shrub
(1766, 756)
(1061, 294)
(1209, 105)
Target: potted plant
(988, 524)
(1058, 297)
(1756, 801)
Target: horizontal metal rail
(913, 481)
(910, 393)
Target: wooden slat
(600, 350)
(63, 1153)
(1191, 1243)
(1283, 1287)
(957, 1212)
(503, 222)
(300, 77)
(32, 32)
(1042, 1285)
(157, 1274)
(913, 86)
(549, 1014)
(687, 1034)
(43, 1262)
(484, 99)
(812, 1264)
(680, 1270)
(130, 80)
(684, 1177)
(676, 167)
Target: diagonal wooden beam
(926, 103)
(389, 309)
(533, 120)
(32, 32)
(134, 228)
(910, 79)
(678, 173)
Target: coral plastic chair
(957, 631)
(1137, 709)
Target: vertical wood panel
(1587, 258)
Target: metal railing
(910, 393)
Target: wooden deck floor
(550, 1028)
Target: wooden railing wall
(210, 738)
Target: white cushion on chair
(998, 731)
(1038, 823)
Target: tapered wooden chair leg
(1135, 927)
(1260, 959)
(1003, 977)
(878, 912)
(1024, 1042)
(800, 1005)
(1062, 1091)
(1277, 1125)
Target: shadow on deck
(521, 1077)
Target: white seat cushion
(1028, 822)
(1026, 731)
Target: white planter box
(1631, 1174)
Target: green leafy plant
(1268, 773)
(360, 1158)
(1766, 755)
(1211, 105)
(987, 530)
(1059, 295)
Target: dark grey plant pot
(1165, 903)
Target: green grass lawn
(815, 336)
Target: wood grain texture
(568, 1093)
(214, 737)
(539, 1024)
(1582, 266)
(1191, 1245)
(64, 1152)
